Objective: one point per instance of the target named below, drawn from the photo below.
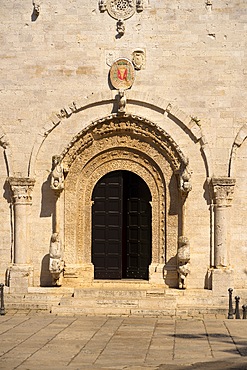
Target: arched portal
(142, 151)
(121, 227)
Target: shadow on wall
(48, 202)
(170, 273)
(45, 275)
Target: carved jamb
(22, 189)
(223, 189)
(133, 154)
(111, 160)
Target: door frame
(121, 143)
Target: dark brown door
(121, 227)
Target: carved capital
(223, 189)
(21, 189)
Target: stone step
(149, 303)
(76, 310)
(117, 293)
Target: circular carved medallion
(122, 74)
(120, 9)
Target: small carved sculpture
(36, 7)
(184, 182)
(183, 261)
(139, 5)
(57, 177)
(102, 5)
(120, 27)
(56, 265)
(122, 102)
(138, 59)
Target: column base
(221, 280)
(20, 277)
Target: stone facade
(180, 125)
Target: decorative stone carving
(102, 5)
(120, 9)
(120, 27)
(183, 259)
(57, 177)
(4, 142)
(138, 59)
(122, 102)
(223, 189)
(36, 7)
(22, 189)
(184, 181)
(122, 74)
(120, 142)
(56, 264)
(137, 127)
(139, 5)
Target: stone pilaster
(21, 270)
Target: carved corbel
(102, 5)
(36, 7)
(184, 183)
(139, 5)
(122, 102)
(120, 27)
(57, 176)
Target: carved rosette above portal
(223, 189)
(22, 189)
(121, 10)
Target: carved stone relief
(119, 143)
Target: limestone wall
(195, 60)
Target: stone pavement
(31, 340)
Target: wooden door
(121, 227)
(107, 227)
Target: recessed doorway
(121, 227)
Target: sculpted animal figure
(56, 265)
(183, 261)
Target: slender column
(223, 189)
(22, 200)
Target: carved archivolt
(134, 126)
(119, 143)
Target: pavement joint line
(92, 336)
(101, 352)
(174, 340)
(23, 340)
(15, 326)
(232, 338)
(151, 340)
(55, 319)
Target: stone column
(21, 270)
(222, 274)
(223, 189)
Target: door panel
(121, 227)
(107, 227)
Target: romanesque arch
(129, 143)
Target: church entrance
(121, 227)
